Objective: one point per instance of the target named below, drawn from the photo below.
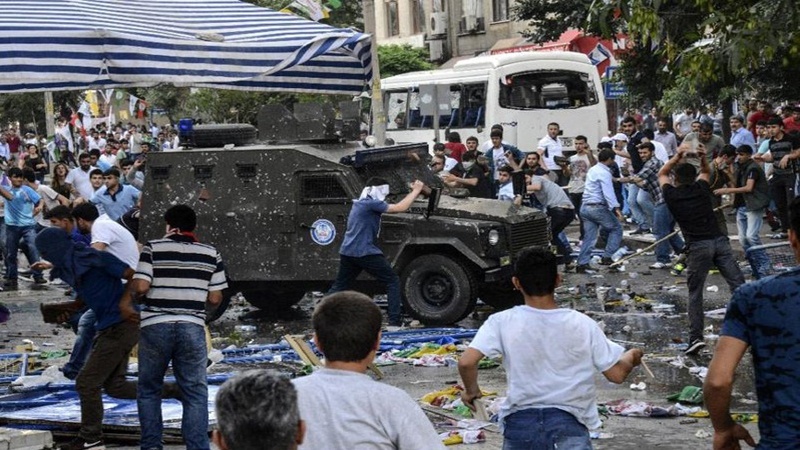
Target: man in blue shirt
(359, 252)
(22, 204)
(741, 135)
(761, 315)
(599, 209)
(115, 199)
(96, 277)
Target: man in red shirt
(764, 113)
(792, 123)
(14, 142)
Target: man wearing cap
(784, 150)
(639, 201)
(359, 251)
(739, 135)
(751, 200)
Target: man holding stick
(689, 201)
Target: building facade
(449, 28)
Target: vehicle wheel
(219, 135)
(438, 290)
(501, 297)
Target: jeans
(749, 225)
(184, 344)
(700, 256)
(13, 236)
(544, 429)
(664, 224)
(782, 191)
(599, 217)
(82, 346)
(647, 206)
(377, 266)
(559, 219)
(577, 200)
(105, 369)
(636, 211)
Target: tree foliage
(397, 59)
(718, 47)
(28, 108)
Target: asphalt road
(655, 332)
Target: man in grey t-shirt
(341, 405)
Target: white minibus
(523, 92)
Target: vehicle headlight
(494, 237)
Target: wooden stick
(654, 244)
(649, 372)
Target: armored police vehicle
(278, 212)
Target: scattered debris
(689, 394)
(702, 434)
(687, 421)
(712, 288)
(639, 386)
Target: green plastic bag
(689, 394)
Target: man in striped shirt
(177, 276)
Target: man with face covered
(359, 250)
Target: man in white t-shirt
(107, 235)
(548, 148)
(347, 330)
(51, 198)
(550, 356)
(79, 178)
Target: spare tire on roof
(222, 134)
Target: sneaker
(10, 283)
(779, 236)
(39, 280)
(694, 347)
(641, 231)
(80, 443)
(677, 269)
(606, 261)
(584, 268)
(570, 266)
(660, 265)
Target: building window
(499, 10)
(417, 17)
(393, 18)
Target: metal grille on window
(323, 188)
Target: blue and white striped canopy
(83, 44)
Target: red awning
(514, 45)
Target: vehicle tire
(219, 135)
(438, 290)
(501, 297)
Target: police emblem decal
(323, 232)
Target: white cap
(606, 139)
(620, 137)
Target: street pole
(49, 114)
(378, 113)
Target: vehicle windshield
(547, 90)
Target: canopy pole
(49, 114)
(378, 113)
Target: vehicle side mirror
(433, 201)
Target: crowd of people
(80, 222)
